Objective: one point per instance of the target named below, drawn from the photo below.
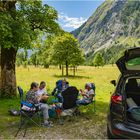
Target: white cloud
(71, 22)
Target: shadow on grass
(100, 107)
(71, 76)
(9, 124)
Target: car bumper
(122, 130)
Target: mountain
(112, 28)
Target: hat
(89, 85)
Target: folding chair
(92, 103)
(70, 96)
(27, 115)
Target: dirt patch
(73, 128)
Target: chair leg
(18, 131)
(25, 131)
(25, 127)
(94, 107)
(20, 125)
(31, 119)
(40, 119)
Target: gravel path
(79, 128)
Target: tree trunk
(8, 59)
(67, 69)
(62, 70)
(0, 71)
(74, 70)
(8, 76)
(60, 67)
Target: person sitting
(33, 98)
(87, 94)
(61, 85)
(42, 92)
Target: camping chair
(94, 99)
(70, 96)
(27, 112)
(92, 103)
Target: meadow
(87, 125)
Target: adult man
(33, 98)
(88, 95)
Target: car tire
(109, 135)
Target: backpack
(59, 84)
(70, 96)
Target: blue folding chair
(94, 99)
(27, 115)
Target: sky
(72, 14)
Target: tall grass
(100, 76)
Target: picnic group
(38, 96)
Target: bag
(134, 112)
(27, 106)
(68, 112)
(14, 112)
(52, 113)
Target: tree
(45, 51)
(66, 51)
(34, 59)
(22, 57)
(98, 60)
(21, 21)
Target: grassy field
(87, 125)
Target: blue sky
(72, 13)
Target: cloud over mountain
(70, 22)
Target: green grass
(88, 125)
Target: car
(122, 121)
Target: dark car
(123, 120)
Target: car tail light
(116, 99)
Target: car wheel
(109, 135)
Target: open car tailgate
(130, 62)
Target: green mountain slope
(113, 27)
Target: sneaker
(47, 125)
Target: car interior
(132, 90)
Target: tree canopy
(66, 51)
(98, 60)
(20, 26)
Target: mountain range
(113, 27)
